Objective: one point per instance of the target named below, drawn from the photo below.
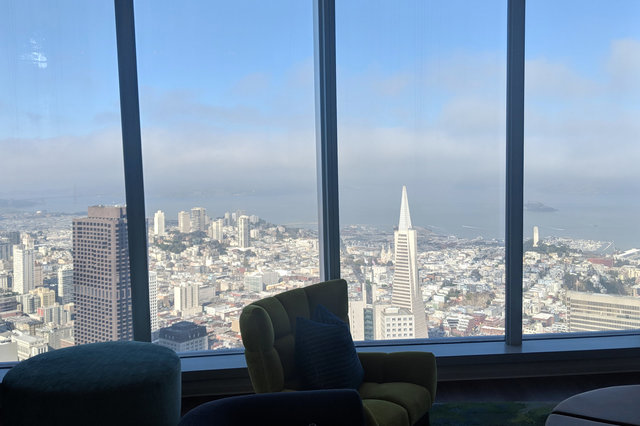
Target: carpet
(490, 413)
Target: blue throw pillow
(325, 355)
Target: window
(581, 259)
(227, 110)
(61, 152)
(421, 92)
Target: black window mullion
(515, 171)
(326, 137)
(133, 178)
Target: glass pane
(582, 116)
(61, 152)
(421, 92)
(227, 104)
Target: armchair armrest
(412, 367)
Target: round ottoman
(615, 405)
(115, 383)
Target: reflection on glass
(227, 110)
(421, 156)
(582, 103)
(60, 152)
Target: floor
(550, 389)
(547, 389)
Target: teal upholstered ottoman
(115, 383)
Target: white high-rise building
(158, 223)
(215, 230)
(184, 222)
(406, 287)
(153, 303)
(65, 284)
(198, 219)
(536, 236)
(396, 323)
(186, 300)
(243, 232)
(23, 269)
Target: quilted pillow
(325, 355)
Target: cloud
(253, 84)
(440, 129)
(623, 66)
(35, 55)
(48, 166)
(477, 73)
(558, 80)
(393, 85)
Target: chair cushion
(415, 399)
(325, 355)
(384, 413)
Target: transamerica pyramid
(406, 287)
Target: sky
(228, 122)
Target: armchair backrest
(268, 329)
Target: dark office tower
(5, 250)
(14, 237)
(101, 279)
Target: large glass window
(421, 107)
(582, 180)
(60, 153)
(227, 109)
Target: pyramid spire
(405, 216)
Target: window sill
(225, 373)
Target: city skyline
(197, 278)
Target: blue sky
(226, 91)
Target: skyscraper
(198, 219)
(406, 287)
(23, 269)
(536, 236)
(243, 232)
(186, 300)
(65, 284)
(215, 230)
(101, 278)
(184, 222)
(158, 223)
(153, 303)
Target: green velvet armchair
(398, 388)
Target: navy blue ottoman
(114, 383)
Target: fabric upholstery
(379, 412)
(99, 384)
(318, 367)
(401, 367)
(409, 396)
(399, 388)
(271, 360)
(341, 407)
